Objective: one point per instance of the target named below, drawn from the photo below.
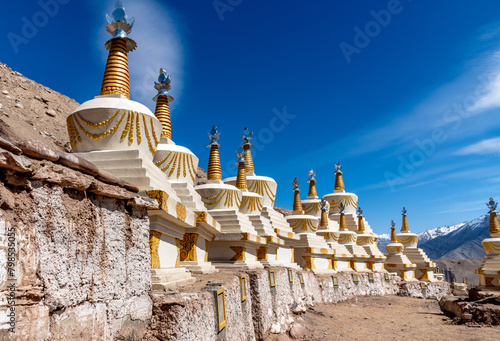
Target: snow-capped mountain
(460, 241)
(437, 232)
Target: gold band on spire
(342, 222)
(324, 218)
(214, 170)
(116, 78)
(248, 158)
(393, 235)
(297, 203)
(361, 224)
(241, 180)
(312, 189)
(339, 181)
(494, 223)
(405, 224)
(162, 113)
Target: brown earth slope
(384, 318)
(29, 110)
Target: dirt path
(386, 318)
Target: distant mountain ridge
(460, 241)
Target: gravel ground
(386, 318)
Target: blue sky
(405, 94)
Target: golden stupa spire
(246, 136)
(494, 223)
(297, 203)
(324, 213)
(312, 185)
(116, 78)
(241, 179)
(162, 110)
(342, 221)
(339, 181)
(214, 170)
(361, 222)
(393, 232)
(404, 227)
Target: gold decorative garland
(151, 147)
(138, 124)
(346, 200)
(253, 203)
(230, 196)
(365, 240)
(100, 124)
(304, 225)
(394, 249)
(127, 126)
(347, 238)
(313, 207)
(407, 240)
(74, 136)
(131, 132)
(261, 187)
(101, 135)
(491, 247)
(181, 162)
(158, 163)
(153, 131)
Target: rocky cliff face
(81, 259)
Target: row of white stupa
(220, 224)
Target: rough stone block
(78, 163)
(38, 150)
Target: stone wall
(267, 310)
(81, 256)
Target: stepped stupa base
(199, 267)
(360, 259)
(164, 279)
(425, 267)
(240, 265)
(133, 167)
(405, 271)
(489, 274)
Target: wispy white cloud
(159, 46)
(491, 99)
(484, 147)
